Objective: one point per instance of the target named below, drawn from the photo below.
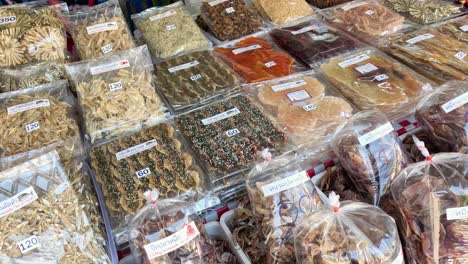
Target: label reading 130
(232, 132)
(29, 244)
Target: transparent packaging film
(30, 76)
(280, 12)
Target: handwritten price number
(381, 77)
(106, 48)
(195, 77)
(310, 107)
(229, 10)
(32, 127)
(29, 244)
(10, 19)
(115, 86)
(460, 55)
(232, 132)
(143, 173)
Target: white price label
(195, 77)
(460, 55)
(232, 132)
(109, 26)
(464, 28)
(172, 242)
(381, 77)
(288, 85)
(17, 201)
(455, 103)
(241, 50)
(353, 60)
(230, 113)
(29, 244)
(163, 15)
(285, 184)
(375, 134)
(28, 106)
(143, 173)
(230, 10)
(304, 30)
(136, 149)
(216, 2)
(109, 67)
(419, 38)
(309, 107)
(457, 213)
(353, 5)
(170, 27)
(183, 66)
(107, 48)
(115, 86)
(298, 96)
(270, 64)
(369, 12)
(366, 68)
(7, 20)
(32, 127)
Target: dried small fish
(30, 76)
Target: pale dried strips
(282, 11)
(30, 76)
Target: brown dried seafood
(101, 31)
(337, 180)
(425, 11)
(30, 76)
(282, 11)
(116, 93)
(151, 158)
(44, 220)
(456, 28)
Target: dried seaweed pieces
(222, 151)
(164, 166)
(30, 76)
(424, 12)
(188, 79)
(282, 11)
(438, 56)
(230, 19)
(313, 42)
(33, 35)
(326, 3)
(259, 61)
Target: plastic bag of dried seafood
(32, 32)
(99, 30)
(281, 195)
(30, 76)
(116, 93)
(42, 220)
(348, 232)
(282, 11)
(444, 114)
(371, 153)
(188, 80)
(305, 106)
(169, 31)
(432, 199)
(164, 231)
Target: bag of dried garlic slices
(99, 30)
(348, 232)
(165, 232)
(116, 93)
(281, 194)
(41, 218)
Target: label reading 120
(29, 244)
(232, 132)
(115, 86)
(143, 173)
(32, 127)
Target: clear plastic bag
(169, 31)
(230, 19)
(426, 11)
(314, 41)
(256, 59)
(281, 195)
(165, 232)
(305, 106)
(283, 11)
(444, 114)
(155, 157)
(370, 153)
(456, 28)
(30, 76)
(326, 3)
(431, 197)
(100, 30)
(229, 135)
(42, 220)
(370, 79)
(116, 93)
(348, 232)
(31, 33)
(436, 55)
(193, 78)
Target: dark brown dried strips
(336, 180)
(326, 3)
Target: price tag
(107, 48)
(195, 77)
(375, 134)
(353, 60)
(460, 55)
(285, 184)
(298, 96)
(7, 20)
(163, 15)
(29, 244)
(143, 173)
(369, 12)
(366, 68)
(213, 119)
(419, 38)
(288, 85)
(28, 106)
(32, 127)
(381, 77)
(115, 86)
(183, 66)
(304, 30)
(230, 10)
(270, 64)
(241, 50)
(232, 132)
(102, 27)
(455, 103)
(136, 149)
(216, 2)
(309, 107)
(170, 27)
(464, 28)
(109, 67)
(457, 213)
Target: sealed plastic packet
(30, 33)
(370, 79)
(281, 195)
(444, 114)
(151, 158)
(283, 11)
(326, 3)
(370, 153)
(42, 220)
(169, 31)
(189, 79)
(257, 59)
(303, 105)
(116, 93)
(100, 30)
(426, 11)
(348, 232)
(456, 28)
(432, 200)
(165, 232)
(230, 19)
(30, 76)
(313, 41)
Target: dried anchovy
(424, 12)
(189, 86)
(30, 76)
(171, 169)
(221, 153)
(280, 12)
(231, 19)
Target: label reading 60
(32, 127)
(232, 132)
(29, 244)
(143, 173)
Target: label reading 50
(232, 132)
(29, 244)
(32, 127)
(143, 173)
